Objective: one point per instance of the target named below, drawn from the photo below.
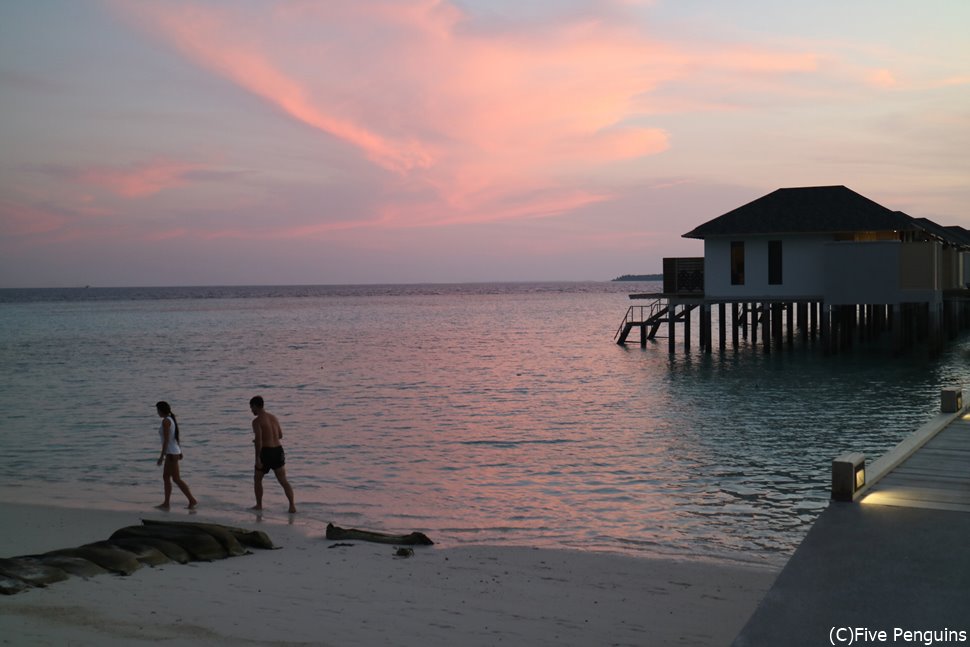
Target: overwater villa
(821, 263)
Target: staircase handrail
(629, 318)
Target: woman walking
(171, 455)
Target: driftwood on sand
(127, 550)
(412, 539)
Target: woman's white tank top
(172, 446)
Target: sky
(246, 142)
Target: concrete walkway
(898, 561)
(870, 566)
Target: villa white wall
(802, 263)
(951, 269)
(834, 272)
(882, 272)
(862, 272)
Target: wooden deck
(936, 476)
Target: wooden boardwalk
(936, 476)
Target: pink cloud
(881, 79)
(625, 143)
(761, 61)
(493, 123)
(500, 207)
(18, 219)
(136, 180)
(954, 81)
(228, 45)
(168, 234)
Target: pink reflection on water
(504, 417)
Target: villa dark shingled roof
(951, 235)
(960, 234)
(806, 210)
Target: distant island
(640, 277)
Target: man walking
(268, 438)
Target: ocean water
(482, 413)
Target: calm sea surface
(483, 413)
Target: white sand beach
(308, 592)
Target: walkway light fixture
(951, 400)
(848, 476)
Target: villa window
(737, 262)
(774, 262)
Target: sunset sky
(389, 141)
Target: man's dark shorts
(271, 458)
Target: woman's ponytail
(165, 408)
